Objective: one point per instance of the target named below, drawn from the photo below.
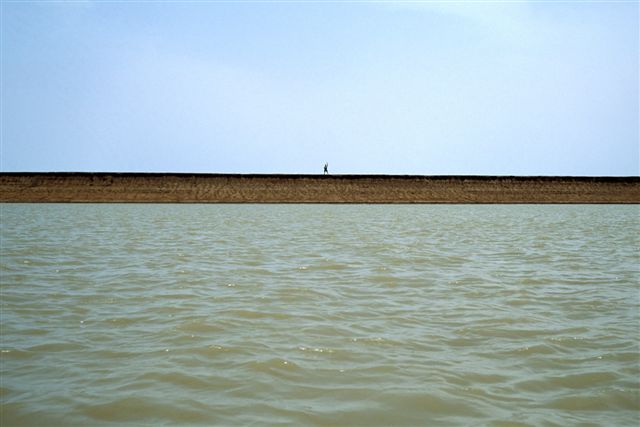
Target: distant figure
(326, 168)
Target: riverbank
(87, 187)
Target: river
(320, 315)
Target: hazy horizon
(107, 172)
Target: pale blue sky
(512, 88)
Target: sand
(235, 188)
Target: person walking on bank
(326, 168)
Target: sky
(429, 88)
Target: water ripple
(320, 315)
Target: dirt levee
(234, 188)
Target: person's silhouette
(326, 168)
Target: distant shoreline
(134, 187)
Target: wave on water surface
(320, 315)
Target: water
(320, 315)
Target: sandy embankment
(228, 188)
